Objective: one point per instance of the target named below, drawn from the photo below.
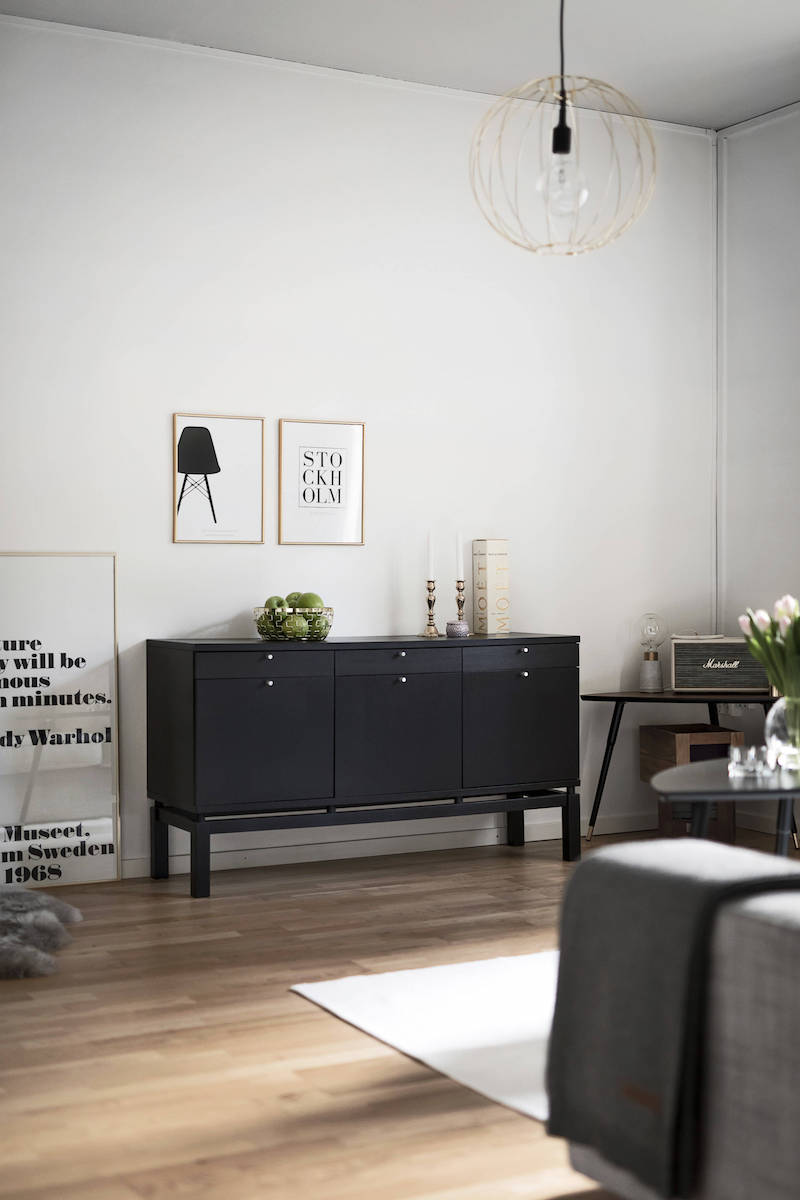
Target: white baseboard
(636, 822)
(539, 827)
(762, 821)
(273, 856)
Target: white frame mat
(59, 789)
(218, 479)
(320, 483)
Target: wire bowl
(277, 625)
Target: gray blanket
(625, 1048)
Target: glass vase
(782, 733)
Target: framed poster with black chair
(218, 479)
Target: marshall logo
(715, 664)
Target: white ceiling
(710, 63)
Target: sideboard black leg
(159, 846)
(571, 826)
(201, 860)
(613, 730)
(713, 713)
(515, 827)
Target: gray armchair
(750, 1138)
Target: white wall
(760, 493)
(194, 231)
(759, 181)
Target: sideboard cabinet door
(520, 726)
(398, 733)
(260, 741)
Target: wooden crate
(663, 746)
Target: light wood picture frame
(59, 759)
(321, 482)
(218, 478)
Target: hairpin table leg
(613, 730)
(785, 819)
(701, 813)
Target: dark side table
(620, 699)
(705, 783)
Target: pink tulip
(784, 623)
(787, 606)
(744, 625)
(762, 619)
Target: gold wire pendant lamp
(563, 164)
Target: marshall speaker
(715, 664)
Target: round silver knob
(524, 650)
(402, 679)
(270, 657)
(270, 683)
(402, 654)
(524, 674)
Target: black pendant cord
(561, 40)
(562, 134)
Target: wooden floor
(168, 1058)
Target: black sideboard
(251, 735)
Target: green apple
(318, 626)
(275, 602)
(309, 600)
(265, 624)
(293, 599)
(295, 625)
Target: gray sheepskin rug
(31, 930)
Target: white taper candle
(459, 556)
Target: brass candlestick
(430, 629)
(459, 628)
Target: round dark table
(706, 783)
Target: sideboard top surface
(333, 643)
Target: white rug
(485, 1024)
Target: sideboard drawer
(263, 663)
(414, 660)
(525, 657)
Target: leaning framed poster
(59, 795)
(218, 478)
(321, 483)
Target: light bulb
(654, 630)
(563, 185)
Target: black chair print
(197, 459)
